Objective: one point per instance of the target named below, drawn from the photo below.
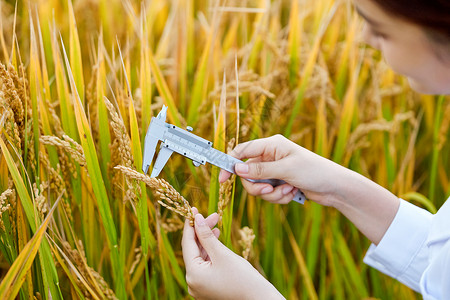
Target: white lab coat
(416, 250)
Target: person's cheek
(422, 86)
(403, 63)
(396, 59)
(369, 38)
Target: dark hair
(433, 15)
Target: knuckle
(191, 292)
(237, 152)
(282, 140)
(248, 187)
(272, 198)
(190, 280)
(286, 199)
(234, 152)
(194, 282)
(259, 169)
(205, 234)
(253, 192)
(279, 137)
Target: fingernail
(241, 168)
(287, 190)
(200, 220)
(267, 190)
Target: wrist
(346, 185)
(369, 206)
(336, 185)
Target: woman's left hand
(215, 272)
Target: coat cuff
(402, 253)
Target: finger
(204, 255)
(288, 198)
(257, 189)
(260, 170)
(251, 149)
(212, 220)
(216, 232)
(206, 237)
(224, 176)
(279, 192)
(194, 210)
(281, 195)
(189, 244)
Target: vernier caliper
(184, 142)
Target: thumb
(206, 237)
(259, 170)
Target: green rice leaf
(11, 283)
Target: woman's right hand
(279, 158)
(366, 204)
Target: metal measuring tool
(199, 150)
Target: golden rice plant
(79, 83)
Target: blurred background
(80, 81)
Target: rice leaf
(21, 188)
(199, 89)
(295, 36)
(163, 89)
(75, 54)
(97, 184)
(308, 70)
(421, 199)
(301, 263)
(35, 88)
(11, 283)
(141, 208)
(103, 121)
(348, 110)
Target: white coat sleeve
(402, 253)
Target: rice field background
(80, 81)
